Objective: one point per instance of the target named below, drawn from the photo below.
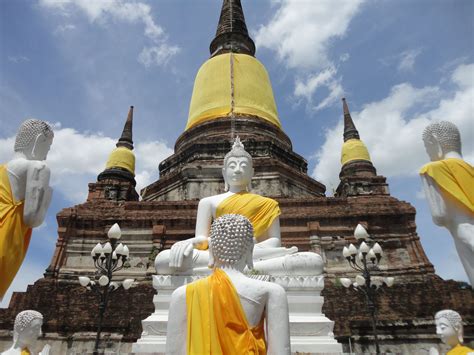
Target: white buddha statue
(192, 256)
(227, 312)
(26, 330)
(448, 184)
(25, 196)
(450, 331)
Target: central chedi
(232, 96)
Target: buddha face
(446, 332)
(40, 148)
(433, 149)
(238, 172)
(31, 333)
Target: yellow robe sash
(261, 211)
(459, 350)
(216, 321)
(25, 351)
(14, 234)
(455, 177)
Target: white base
(310, 329)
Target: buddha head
(231, 242)
(449, 327)
(441, 138)
(34, 138)
(238, 168)
(27, 329)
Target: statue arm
(435, 200)
(271, 238)
(184, 248)
(177, 324)
(37, 194)
(277, 322)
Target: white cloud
(64, 28)
(301, 33)
(100, 11)
(392, 127)
(77, 158)
(18, 59)
(301, 30)
(407, 59)
(157, 55)
(325, 79)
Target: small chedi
(192, 256)
(225, 313)
(25, 196)
(448, 183)
(450, 330)
(27, 329)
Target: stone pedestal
(310, 330)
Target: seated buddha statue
(192, 256)
(228, 312)
(25, 196)
(448, 183)
(450, 330)
(26, 330)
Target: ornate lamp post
(365, 259)
(108, 258)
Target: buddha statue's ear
(437, 146)
(459, 331)
(249, 257)
(33, 155)
(226, 185)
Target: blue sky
(80, 64)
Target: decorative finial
(232, 35)
(126, 138)
(350, 131)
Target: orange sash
(14, 234)
(216, 320)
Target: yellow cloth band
(212, 93)
(216, 321)
(14, 234)
(455, 177)
(261, 211)
(459, 350)
(354, 149)
(25, 351)
(122, 157)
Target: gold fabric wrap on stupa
(354, 149)
(218, 77)
(122, 157)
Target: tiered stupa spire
(358, 175)
(120, 167)
(126, 138)
(350, 131)
(232, 34)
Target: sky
(80, 64)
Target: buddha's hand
(179, 251)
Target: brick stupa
(309, 220)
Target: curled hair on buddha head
(454, 319)
(29, 132)
(24, 319)
(231, 238)
(446, 134)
